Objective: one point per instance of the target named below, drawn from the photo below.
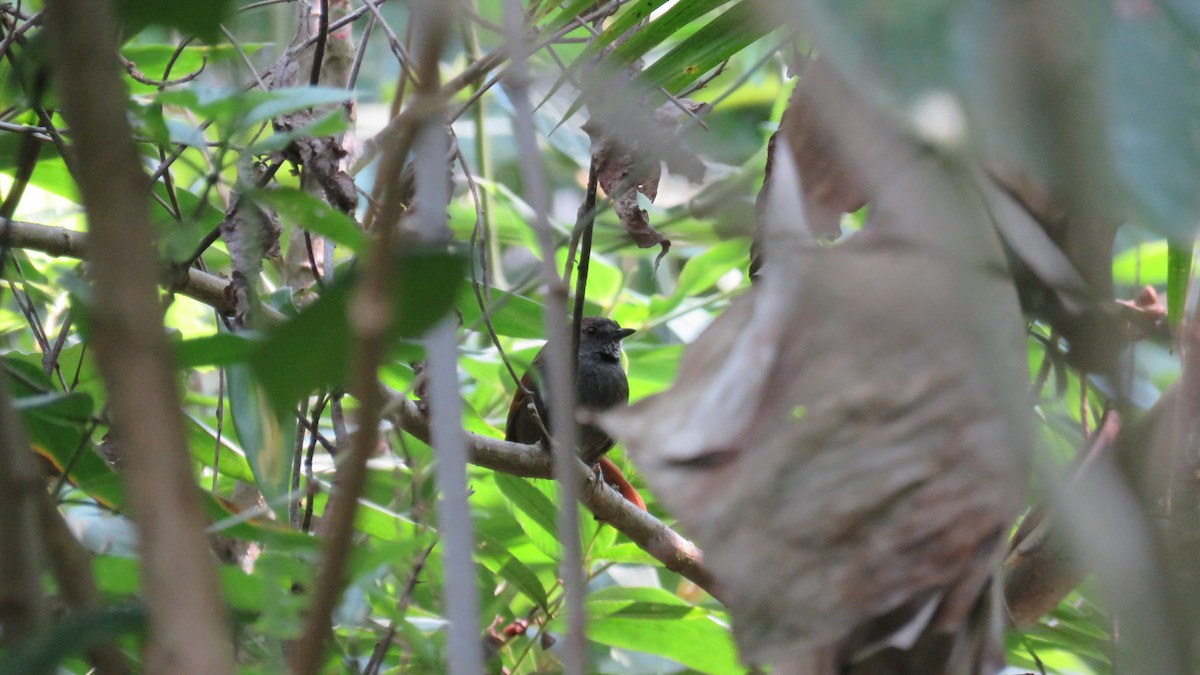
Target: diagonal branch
(674, 551)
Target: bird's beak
(624, 333)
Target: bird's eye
(590, 330)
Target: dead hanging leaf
(831, 184)
(855, 425)
(250, 233)
(629, 151)
(321, 159)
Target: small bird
(601, 384)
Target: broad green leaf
(426, 282)
(701, 272)
(72, 635)
(499, 560)
(152, 60)
(50, 173)
(330, 124)
(54, 424)
(313, 214)
(512, 315)
(539, 515)
(199, 19)
(626, 552)
(265, 432)
(220, 349)
(238, 110)
(729, 33)
(1179, 274)
(695, 641)
(202, 441)
(1143, 264)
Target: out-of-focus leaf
(312, 350)
(1141, 265)
(238, 110)
(331, 123)
(306, 211)
(229, 522)
(1149, 66)
(201, 19)
(701, 272)
(649, 36)
(72, 635)
(50, 173)
(220, 349)
(202, 442)
(260, 429)
(152, 60)
(657, 622)
(1179, 274)
(54, 423)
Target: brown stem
(188, 621)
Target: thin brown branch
(189, 629)
(200, 286)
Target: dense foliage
(252, 150)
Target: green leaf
(261, 428)
(499, 560)
(238, 110)
(1179, 273)
(73, 634)
(538, 511)
(638, 44)
(220, 349)
(152, 60)
(723, 37)
(201, 19)
(202, 443)
(512, 315)
(656, 622)
(1143, 264)
(701, 272)
(330, 124)
(426, 281)
(313, 214)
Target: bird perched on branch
(600, 384)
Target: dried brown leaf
(629, 151)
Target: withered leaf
(831, 184)
(629, 151)
(321, 159)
